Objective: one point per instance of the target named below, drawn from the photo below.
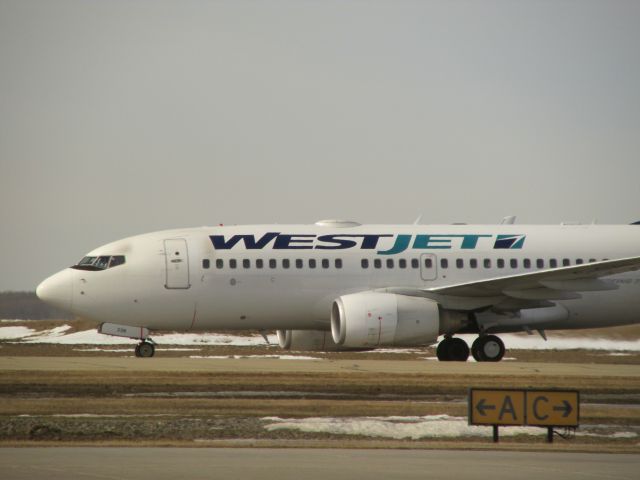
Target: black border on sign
(526, 420)
(556, 390)
(483, 389)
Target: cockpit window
(102, 263)
(99, 263)
(116, 260)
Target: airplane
(340, 285)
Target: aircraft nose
(57, 290)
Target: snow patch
(398, 427)
(236, 357)
(59, 335)
(429, 426)
(8, 333)
(534, 342)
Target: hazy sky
(119, 118)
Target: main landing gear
(486, 348)
(145, 349)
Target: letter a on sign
(496, 407)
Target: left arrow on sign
(482, 407)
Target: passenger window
(205, 263)
(338, 263)
(444, 263)
(487, 263)
(298, 263)
(428, 263)
(566, 262)
(273, 263)
(416, 264)
(553, 263)
(513, 263)
(526, 263)
(219, 263)
(325, 263)
(377, 263)
(389, 262)
(246, 263)
(592, 260)
(364, 263)
(500, 262)
(579, 261)
(259, 263)
(285, 263)
(459, 263)
(402, 263)
(540, 263)
(233, 263)
(473, 263)
(312, 263)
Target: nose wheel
(145, 349)
(488, 348)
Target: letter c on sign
(535, 408)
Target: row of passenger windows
(273, 263)
(402, 263)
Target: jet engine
(372, 319)
(307, 340)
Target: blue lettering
(250, 243)
(284, 242)
(340, 243)
(401, 244)
(470, 242)
(432, 241)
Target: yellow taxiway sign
(544, 408)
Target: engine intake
(372, 319)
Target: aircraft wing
(527, 290)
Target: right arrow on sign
(566, 408)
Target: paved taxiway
(268, 365)
(307, 464)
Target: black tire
(475, 350)
(146, 349)
(442, 352)
(137, 350)
(458, 350)
(489, 348)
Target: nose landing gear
(145, 349)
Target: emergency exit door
(428, 266)
(177, 263)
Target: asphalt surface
(306, 464)
(318, 366)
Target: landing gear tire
(145, 350)
(452, 350)
(488, 348)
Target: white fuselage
(186, 279)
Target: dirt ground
(126, 405)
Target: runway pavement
(307, 464)
(244, 365)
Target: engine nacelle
(307, 340)
(371, 319)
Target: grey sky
(119, 118)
